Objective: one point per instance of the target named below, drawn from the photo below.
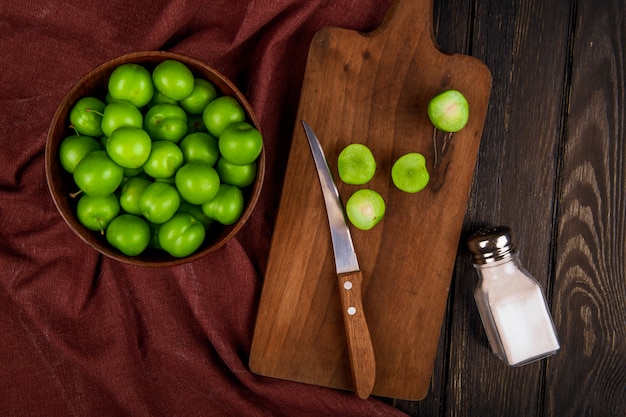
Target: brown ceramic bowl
(61, 183)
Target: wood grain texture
(551, 165)
(373, 89)
(453, 32)
(514, 185)
(590, 282)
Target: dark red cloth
(82, 335)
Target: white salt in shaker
(511, 303)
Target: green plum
(97, 174)
(196, 211)
(409, 173)
(164, 160)
(131, 82)
(227, 205)
(129, 146)
(118, 114)
(197, 183)
(202, 94)
(356, 164)
(160, 98)
(86, 116)
(129, 234)
(240, 143)
(449, 111)
(365, 208)
(173, 78)
(181, 235)
(131, 193)
(238, 175)
(222, 112)
(74, 148)
(166, 122)
(154, 236)
(108, 99)
(200, 147)
(95, 213)
(159, 202)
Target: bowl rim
(57, 129)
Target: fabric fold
(84, 335)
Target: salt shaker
(510, 301)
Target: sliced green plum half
(449, 111)
(365, 208)
(409, 173)
(356, 164)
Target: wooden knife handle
(360, 348)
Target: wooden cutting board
(373, 89)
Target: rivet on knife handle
(360, 348)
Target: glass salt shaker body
(510, 301)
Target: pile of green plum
(448, 111)
(356, 165)
(159, 159)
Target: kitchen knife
(360, 350)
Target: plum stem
(74, 129)
(102, 226)
(90, 110)
(444, 144)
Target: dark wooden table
(552, 167)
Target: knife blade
(350, 278)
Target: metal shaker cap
(491, 245)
